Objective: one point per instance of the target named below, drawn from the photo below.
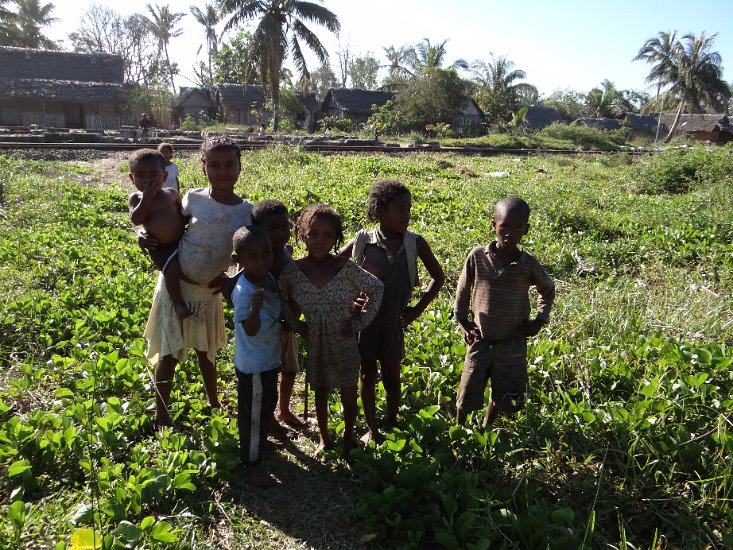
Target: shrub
(683, 170)
(584, 136)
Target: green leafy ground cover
(626, 440)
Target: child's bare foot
(290, 419)
(346, 451)
(259, 476)
(278, 431)
(371, 436)
(181, 310)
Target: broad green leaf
(85, 539)
(18, 467)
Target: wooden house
(239, 104)
(715, 128)
(468, 121)
(61, 89)
(354, 104)
(195, 103)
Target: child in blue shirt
(257, 322)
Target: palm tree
(696, 77)
(30, 18)
(397, 61)
(279, 32)
(499, 91)
(8, 27)
(659, 51)
(426, 56)
(209, 19)
(607, 101)
(162, 25)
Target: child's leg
(172, 276)
(164, 371)
(367, 391)
(321, 400)
(392, 380)
(348, 401)
(256, 397)
(491, 413)
(208, 373)
(287, 382)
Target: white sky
(559, 44)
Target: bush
(584, 136)
(683, 170)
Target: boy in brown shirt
(494, 287)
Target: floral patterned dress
(333, 359)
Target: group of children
(354, 312)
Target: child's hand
(470, 331)
(145, 241)
(258, 297)
(152, 188)
(359, 303)
(219, 283)
(533, 327)
(409, 314)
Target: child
(158, 210)
(272, 216)
(215, 213)
(171, 169)
(390, 253)
(324, 286)
(257, 327)
(495, 282)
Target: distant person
(261, 131)
(493, 288)
(145, 125)
(257, 329)
(171, 168)
(158, 210)
(390, 252)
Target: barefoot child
(158, 210)
(390, 253)
(272, 216)
(257, 328)
(214, 213)
(494, 287)
(171, 168)
(324, 286)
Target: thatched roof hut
(539, 117)
(600, 123)
(715, 128)
(354, 104)
(239, 104)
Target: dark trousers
(256, 400)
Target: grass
(626, 440)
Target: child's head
(252, 251)
(220, 159)
(166, 149)
(146, 166)
(272, 216)
(510, 221)
(319, 227)
(389, 203)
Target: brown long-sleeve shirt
(497, 295)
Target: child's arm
(470, 331)
(141, 203)
(545, 298)
(252, 323)
(292, 321)
(437, 279)
(348, 249)
(374, 289)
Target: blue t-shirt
(261, 352)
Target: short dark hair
(265, 208)
(219, 143)
(512, 204)
(165, 145)
(247, 235)
(315, 211)
(145, 155)
(380, 195)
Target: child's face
(147, 173)
(222, 169)
(255, 258)
(278, 229)
(395, 217)
(167, 154)
(509, 227)
(320, 237)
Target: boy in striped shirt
(493, 288)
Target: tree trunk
(676, 122)
(659, 120)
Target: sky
(560, 44)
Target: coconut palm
(660, 52)
(209, 19)
(607, 101)
(398, 61)
(161, 24)
(8, 28)
(426, 56)
(499, 92)
(30, 18)
(696, 77)
(281, 30)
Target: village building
(354, 104)
(195, 103)
(61, 89)
(468, 121)
(239, 104)
(715, 128)
(539, 117)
